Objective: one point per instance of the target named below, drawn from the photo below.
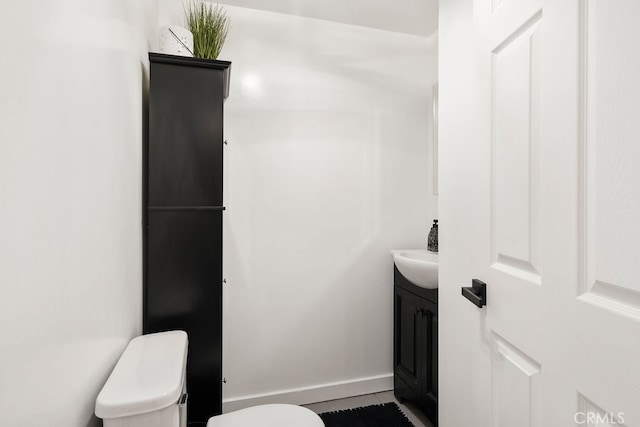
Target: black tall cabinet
(183, 218)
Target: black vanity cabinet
(183, 217)
(415, 344)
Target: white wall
(328, 168)
(71, 121)
(415, 17)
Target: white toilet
(147, 388)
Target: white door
(540, 198)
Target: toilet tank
(147, 388)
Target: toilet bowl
(147, 388)
(274, 415)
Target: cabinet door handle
(477, 293)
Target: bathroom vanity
(415, 344)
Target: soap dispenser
(432, 240)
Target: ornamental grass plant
(209, 25)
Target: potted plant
(209, 25)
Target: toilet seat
(272, 415)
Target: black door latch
(477, 293)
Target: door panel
(591, 415)
(516, 152)
(610, 154)
(429, 358)
(513, 385)
(407, 351)
(185, 158)
(432, 351)
(184, 291)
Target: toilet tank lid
(149, 376)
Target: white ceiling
(417, 17)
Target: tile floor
(415, 416)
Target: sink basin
(419, 266)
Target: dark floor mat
(387, 415)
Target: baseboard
(313, 394)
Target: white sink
(419, 266)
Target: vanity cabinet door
(415, 356)
(408, 340)
(429, 361)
